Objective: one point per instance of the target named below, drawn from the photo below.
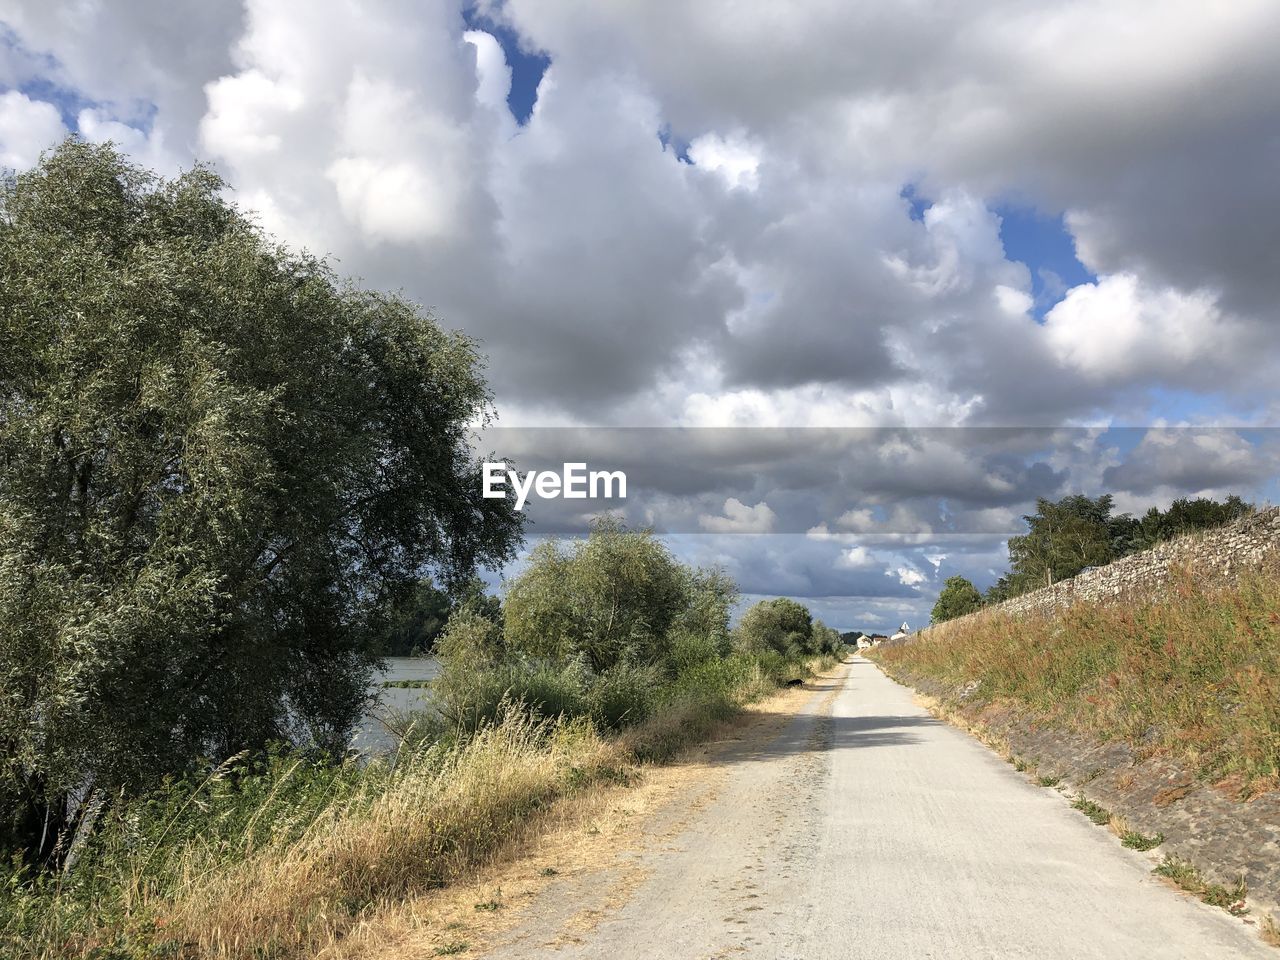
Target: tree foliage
(780, 625)
(618, 595)
(1068, 535)
(219, 468)
(957, 598)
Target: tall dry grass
(438, 816)
(292, 866)
(1195, 673)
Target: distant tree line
(1067, 536)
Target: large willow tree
(219, 468)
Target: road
(867, 828)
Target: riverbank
(287, 857)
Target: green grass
(1186, 876)
(1139, 841)
(1099, 815)
(1048, 781)
(1194, 675)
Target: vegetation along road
(864, 827)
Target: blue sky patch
(527, 68)
(916, 204)
(1044, 244)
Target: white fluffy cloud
(740, 518)
(1119, 329)
(26, 127)
(705, 220)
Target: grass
(285, 857)
(1269, 931)
(1048, 781)
(1093, 811)
(1194, 675)
(1187, 877)
(1140, 841)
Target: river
(371, 734)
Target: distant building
(903, 632)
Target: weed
(1099, 815)
(1139, 841)
(451, 949)
(1048, 781)
(1270, 931)
(1186, 876)
(548, 872)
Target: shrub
(608, 598)
(780, 625)
(624, 695)
(471, 697)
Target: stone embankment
(1219, 554)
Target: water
(371, 734)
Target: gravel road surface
(867, 828)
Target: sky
(911, 223)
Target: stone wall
(1222, 554)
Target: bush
(609, 598)
(471, 698)
(624, 695)
(470, 641)
(780, 625)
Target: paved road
(870, 829)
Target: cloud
(1119, 329)
(26, 128)
(1191, 461)
(732, 158)
(825, 251)
(740, 518)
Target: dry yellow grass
(401, 868)
(425, 830)
(1195, 673)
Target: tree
(1185, 516)
(415, 623)
(1064, 537)
(220, 468)
(958, 597)
(780, 625)
(611, 598)
(824, 639)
